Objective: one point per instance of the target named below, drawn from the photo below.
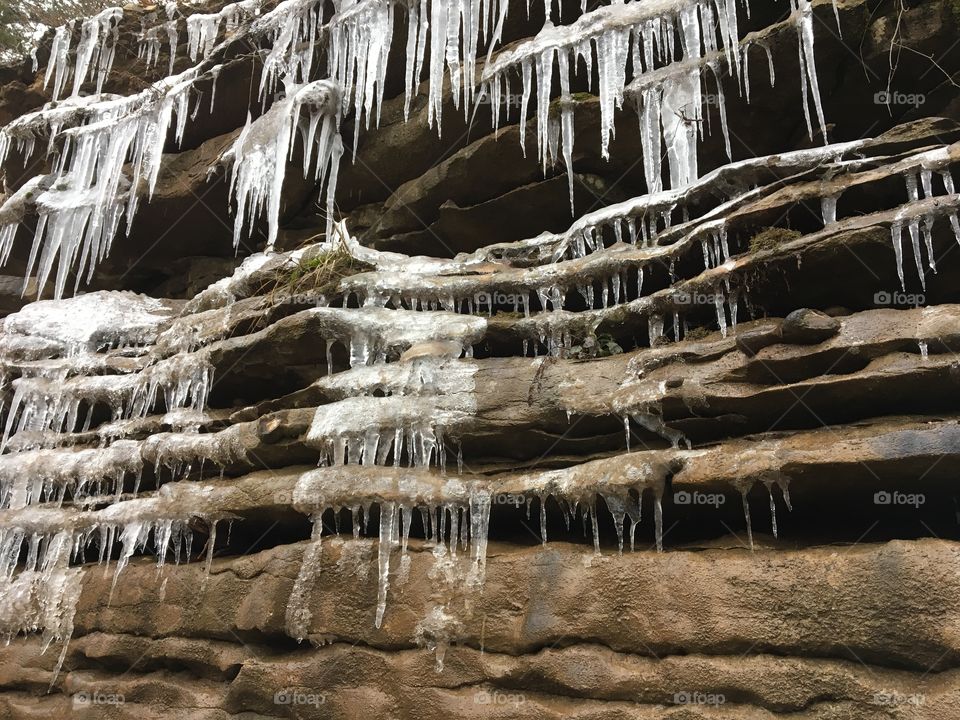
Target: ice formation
(63, 358)
(611, 32)
(384, 428)
(259, 155)
(376, 333)
(88, 322)
(43, 596)
(150, 37)
(96, 49)
(292, 27)
(203, 29)
(360, 34)
(451, 512)
(33, 477)
(83, 204)
(923, 209)
(669, 45)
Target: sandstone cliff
(481, 359)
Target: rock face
(430, 359)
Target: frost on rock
(259, 155)
(180, 451)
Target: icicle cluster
(409, 424)
(95, 51)
(451, 513)
(65, 356)
(644, 33)
(920, 214)
(82, 203)
(768, 479)
(152, 34)
(454, 29)
(43, 595)
(202, 30)
(669, 45)
(260, 153)
(292, 28)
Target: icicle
(59, 55)
(97, 47)
(260, 152)
(896, 234)
(746, 515)
(298, 612)
(927, 228)
(214, 75)
(809, 82)
(388, 541)
(773, 510)
(829, 209)
(543, 518)
(658, 520)
(718, 302)
(913, 227)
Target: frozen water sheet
(92, 320)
